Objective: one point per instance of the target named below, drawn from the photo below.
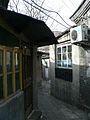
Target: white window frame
(61, 46)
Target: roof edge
(78, 8)
(65, 32)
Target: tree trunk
(4, 3)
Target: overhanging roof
(34, 30)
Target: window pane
(17, 81)
(58, 63)
(69, 55)
(17, 76)
(64, 49)
(64, 63)
(16, 61)
(64, 60)
(9, 61)
(69, 59)
(69, 48)
(9, 84)
(64, 56)
(9, 72)
(59, 57)
(58, 50)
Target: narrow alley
(55, 109)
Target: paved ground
(55, 109)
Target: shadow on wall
(71, 85)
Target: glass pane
(1, 87)
(1, 61)
(9, 84)
(69, 55)
(69, 48)
(9, 72)
(59, 57)
(64, 49)
(64, 60)
(64, 56)
(9, 61)
(58, 63)
(17, 61)
(17, 81)
(64, 63)
(58, 50)
(69, 59)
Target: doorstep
(35, 115)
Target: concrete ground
(55, 109)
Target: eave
(36, 31)
(81, 11)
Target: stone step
(35, 115)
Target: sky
(65, 8)
(62, 8)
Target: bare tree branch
(16, 4)
(35, 10)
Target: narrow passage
(55, 109)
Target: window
(64, 56)
(10, 71)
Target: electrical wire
(66, 5)
(72, 3)
(51, 11)
(53, 21)
(41, 6)
(46, 14)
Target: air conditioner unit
(79, 34)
